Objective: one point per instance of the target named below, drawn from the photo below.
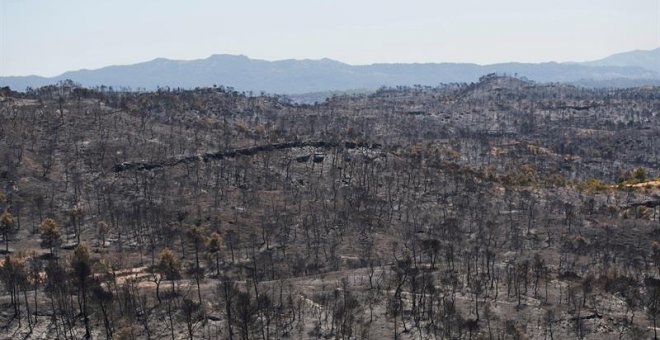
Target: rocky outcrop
(210, 156)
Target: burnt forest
(498, 209)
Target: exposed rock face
(209, 156)
(303, 159)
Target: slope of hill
(499, 208)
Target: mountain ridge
(648, 59)
(294, 76)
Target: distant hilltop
(292, 76)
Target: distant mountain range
(649, 60)
(304, 76)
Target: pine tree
(50, 235)
(7, 227)
(81, 272)
(214, 247)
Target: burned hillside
(502, 208)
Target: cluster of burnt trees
(458, 211)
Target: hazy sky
(48, 37)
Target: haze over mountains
(304, 76)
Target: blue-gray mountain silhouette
(303, 76)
